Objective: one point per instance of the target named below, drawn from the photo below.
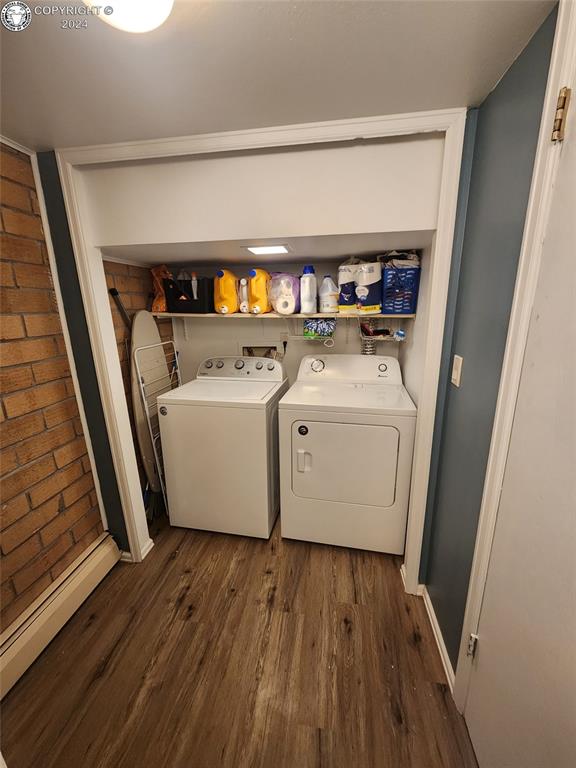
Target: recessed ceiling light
(267, 250)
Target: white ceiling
(218, 65)
(300, 249)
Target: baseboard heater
(25, 639)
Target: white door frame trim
(450, 122)
(562, 68)
(437, 121)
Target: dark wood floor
(226, 652)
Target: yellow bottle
(258, 291)
(225, 292)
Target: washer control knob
(239, 364)
(163, 410)
(208, 364)
(270, 366)
(383, 367)
(318, 365)
(220, 364)
(302, 430)
(259, 365)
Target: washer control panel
(260, 368)
(350, 368)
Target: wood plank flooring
(227, 652)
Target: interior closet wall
(49, 511)
(507, 133)
(197, 339)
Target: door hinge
(472, 645)
(559, 126)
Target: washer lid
(221, 392)
(358, 397)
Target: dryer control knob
(208, 364)
(220, 364)
(239, 364)
(383, 367)
(318, 365)
(259, 366)
(270, 366)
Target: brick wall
(49, 510)
(134, 285)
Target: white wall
(198, 339)
(413, 351)
(377, 186)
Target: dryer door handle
(303, 460)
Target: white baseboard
(126, 557)
(446, 663)
(23, 641)
(419, 589)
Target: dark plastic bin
(180, 300)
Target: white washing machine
(219, 438)
(346, 441)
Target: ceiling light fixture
(133, 15)
(266, 250)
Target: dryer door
(351, 463)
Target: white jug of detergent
(308, 291)
(328, 294)
(243, 295)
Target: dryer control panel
(351, 368)
(258, 368)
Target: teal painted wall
(491, 227)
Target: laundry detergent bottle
(258, 283)
(328, 296)
(225, 292)
(243, 295)
(308, 291)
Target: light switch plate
(456, 370)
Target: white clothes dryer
(346, 442)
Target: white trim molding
(419, 589)
(439, 279)
(24, 640)
(444, 657)
(562, 71)
(103, 341)
(354, 129)
(15, 145)
(450, 123)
